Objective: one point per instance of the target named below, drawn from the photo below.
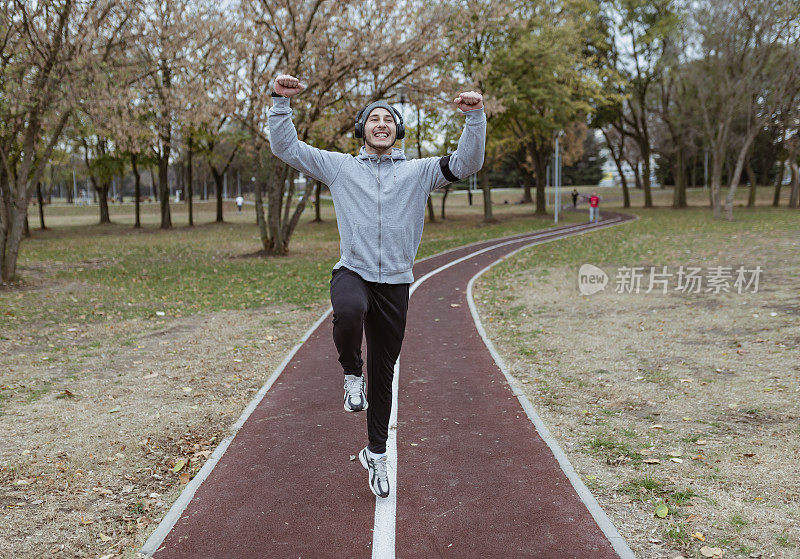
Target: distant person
(239, 202)
(574, 198)
(379, 197)
(594, 208)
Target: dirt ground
(94, 434)
(687, 400)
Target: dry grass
(705, 384)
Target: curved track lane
(474, 478)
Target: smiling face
(380, 131)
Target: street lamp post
(557, 174)
(403, 90)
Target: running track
(474, 472)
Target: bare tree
(177, 42)
(748, 65)
(46, 50)
(346, 58)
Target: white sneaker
(378, 478)
(355, 399)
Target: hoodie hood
(396, 155)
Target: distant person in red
(594, 208)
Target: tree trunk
(483, 178)
(648, 196)
(717, 162)
(444, 199)
(153, 185)
(527, 198)
(137, 191)
(5, 223)
(262, 224)
(317, 194)
(218, 179)
(431, 212)
(679, 193)
(163, 189)
(40, 199)
(189, 180)
(626, 197)
(540, 168)
(794, 197)
(19, 217)
(751, 176)
(737, 172)
(276, 245)
(776, 199)
(102, 196)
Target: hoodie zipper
(380, 228)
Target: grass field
(680, 403)
(123, 352)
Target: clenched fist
(469, 101)
(288, 86)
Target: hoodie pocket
(395, 249)
(362, 251)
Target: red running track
(474, 477)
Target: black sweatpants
(378, 310)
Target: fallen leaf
(104, 538)
(114, 409)
(352, 457)
(185, 477)
(85, 521)
(676, 460)
(455, 305)
(657, 426)
(178, 466)
(651, 461)
(661, 510)
(187, 389)
(699, 536)
(706, 551)
(700, 442)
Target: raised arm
(316, 163)
(468, 157)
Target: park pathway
(475, 473)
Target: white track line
(157, 537)
(599, 515)
(384, 527)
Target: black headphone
(362, 115)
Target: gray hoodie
(379, 201)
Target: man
(380, 198)
(239, 203)
(574, 198)
(594, 208)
